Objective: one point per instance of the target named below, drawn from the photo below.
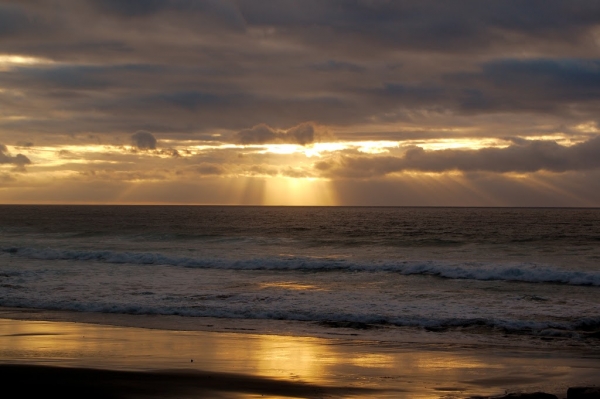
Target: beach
(300, 199)
(299, 302)
(109, 357)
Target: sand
(81, 359)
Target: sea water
(505, 274)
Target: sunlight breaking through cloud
(93, 93)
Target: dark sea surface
(531, 275)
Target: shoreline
(400, 337)
(332, 366)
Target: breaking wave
(574, 328)
(483, 271)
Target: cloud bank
(526, 156)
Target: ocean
(526, 277)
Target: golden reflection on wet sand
(400, 371)
(290, 285)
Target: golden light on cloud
(186, 144)
(13, 117)
(560, 138)
(376, 147)
(320, 149)
(281, 149)
(588, 127)
(52, 156)
(368, 147)
(278, 173)
(9, 61)
(457, 143)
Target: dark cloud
(259, 134)
(143, 140)
(66, 154)
(461, 25)
(337, 66)
(132, 8)
(514, 84)
(445, 26)
(81, 77)
(503, 85)
(15, 20)
(296, 173)
(170, 152)
(302, 134)
(191, 100)
(18, 160)
(522, 157)
(416, 95)
(139, 96)
(209, 169)
(63, 77)
(187, 66)
(561, 74)
(262, 170)
(224, 11)
(262, 134)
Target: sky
(300, 102)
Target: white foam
(483, 271)
(569, 329)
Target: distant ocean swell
(522, 272)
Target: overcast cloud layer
(152, 96)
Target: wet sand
(39, 357)
(66, 383)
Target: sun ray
(298, 191)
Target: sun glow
(281, 149)
(318, 149)
(298, 191)
(258, 174)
